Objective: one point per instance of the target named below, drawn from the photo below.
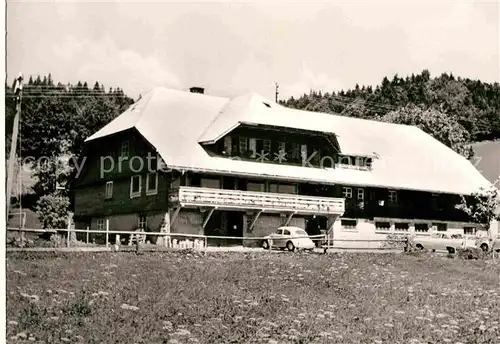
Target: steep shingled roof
(175, 123)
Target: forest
(471, 104)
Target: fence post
(107, 232)
(88, 233)
(206, 242)
(68, 232)
(270, 244)
(117, 242)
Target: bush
(53, 211)
(470, 253)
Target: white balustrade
(196, 196)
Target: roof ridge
(151, 94)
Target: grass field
(251, 298)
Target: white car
(443, 242)
(290, 238)
(486, 244)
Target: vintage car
(486, 243)
(443, 242)
(289, 237)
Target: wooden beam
(208, 216)
(174, 216)
(255, 219)
(289, 218)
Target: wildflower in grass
(182, 332)
(129, 307)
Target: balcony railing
(250, 200)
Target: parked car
(290, 238)
(443, 242)
(486, 244)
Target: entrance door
(235, 227)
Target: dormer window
(393, 197)
(243, 147)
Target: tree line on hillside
(56, 118)
(468, 109)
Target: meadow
(191, 297)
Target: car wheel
(290, 246)
(419, 246)
(484, 247)
(265, 245)
(451, 250)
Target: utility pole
(277, 88)
(18, 93)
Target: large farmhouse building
(186, 162)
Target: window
(401, 226)
(101, 224)
(287, 188)
(347, 192)
(368, 162)
(273, 188)
(421, 227)
(469, 230)
(286, 232)
(266, 146)
(228, 145)
(152, 183)
(142, 222)
(109, 190)
(135, 186)
(361, 194)
(344, 160)
(252, 146)
(281, 146)
(383, 226)
(256, 186)
(124, 151)
(243, 145)
(441, 227)
(393, 197)
(303, 152)
(211, 183)
(348, 224)
(295, 151)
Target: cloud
(103, 61)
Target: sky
(239, 47)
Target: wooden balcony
(194, 197)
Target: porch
(238, 213)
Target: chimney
(200, 90)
